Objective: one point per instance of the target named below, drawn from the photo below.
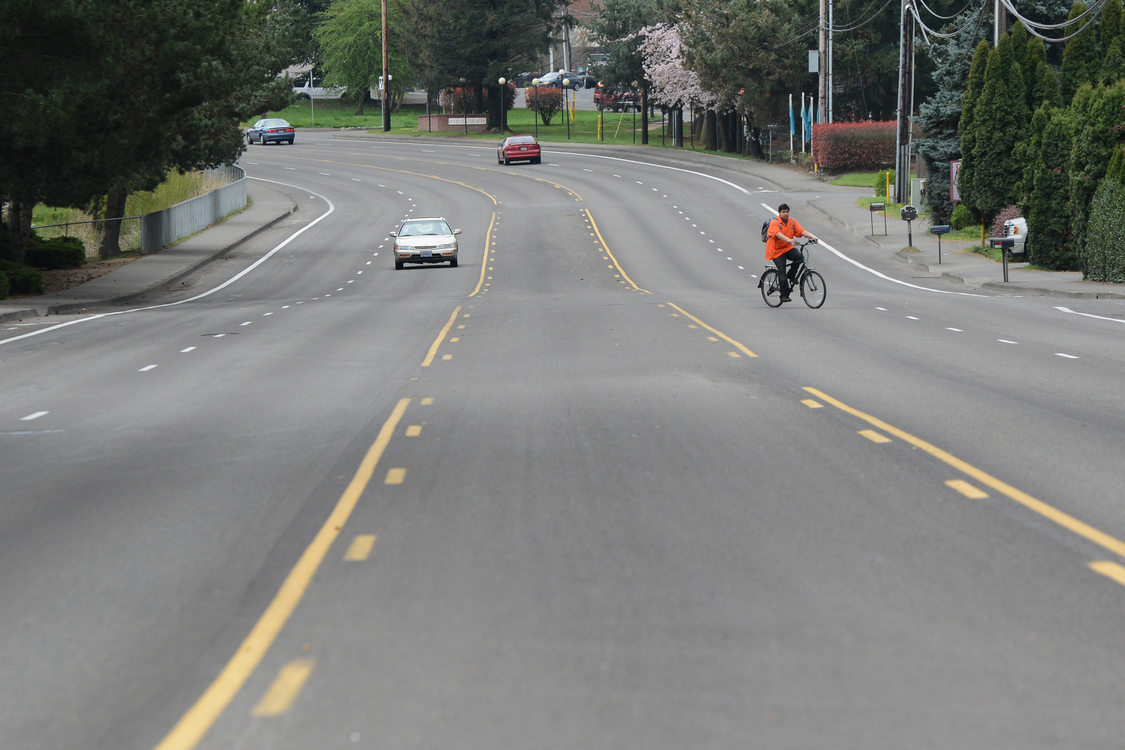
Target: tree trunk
(19, 228)
(707, 127)
(114, 212)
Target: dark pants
(794, 258)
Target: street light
(601, 107)
(566, 105)
(535, 97)
(634, 113)
(503, 101)
(464, 104)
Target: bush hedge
(841, 146)
(22, 279)
(57, 252)
(1105, 234)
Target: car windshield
(274, 124)
(522, 139)
(420, 228)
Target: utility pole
(828, 111)
(905, 87)
(822, 46)
(386, 77)
(999, 22)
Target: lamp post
(601, 107)
(566, 105)
(464, 111)
(535, 112)
(634, 112)
(503, 101)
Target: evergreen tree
(1048, 231)
(1080, 61)
(1111, 34)
(939, 116)
(1000, 116)
(967, 124)
(478, 41)
(1097, 116)
(1105, 255)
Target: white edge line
(1088, 315)
(224, 285)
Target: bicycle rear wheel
(770, 284)
(813, 289)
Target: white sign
(468, 120)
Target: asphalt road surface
(583, 491)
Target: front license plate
(426, 253)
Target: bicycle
(813, 289)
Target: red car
(518, 148)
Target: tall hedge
(1081, 62)
(1096, 113)
(843, 146)
(1104, 259)
(1048, 229)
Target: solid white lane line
(1089, 315)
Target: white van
(306, 85)
(1017, 229)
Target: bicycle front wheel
(770, 284)
(813, 289)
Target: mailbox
(908, 213)
(939, 230)
(874, 208)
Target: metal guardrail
(161, 228)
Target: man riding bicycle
(780, 247)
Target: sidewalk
(956, 261)
(266, 207)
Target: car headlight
(447, 246)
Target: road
(584, 490)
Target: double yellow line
(191, 728)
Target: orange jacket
(775, 246)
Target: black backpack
(766, 230)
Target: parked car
(270, 130)
(518, 148)
(615, 100)
(555, 78)
(425, 241)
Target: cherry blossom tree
(673, 84)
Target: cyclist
(780, 247)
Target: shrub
(1008, 212)
(21, 279)
(1104, 259)
(58, 252)
(840, 146)
(962, 217)
(881, 181)
(546, 100)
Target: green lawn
(618, 128)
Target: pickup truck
(615, 100)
